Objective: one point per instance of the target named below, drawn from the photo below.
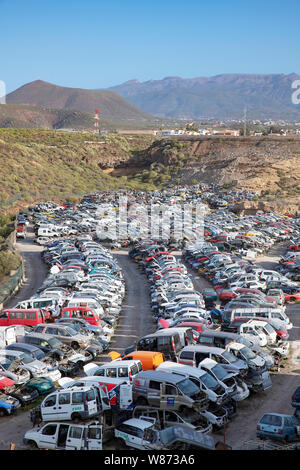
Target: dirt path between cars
(35, 269)
(136, 319)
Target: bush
(8, 262)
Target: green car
(43, 385)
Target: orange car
(149, 359)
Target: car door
(153, 393)
(94, 438)
(75, 438)
(169, 397)
(49, 408)
(48, 436)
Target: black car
(29, 349)
(24, 394)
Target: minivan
(166, 391)
(193, 355)
(168, 343)
(74, 403)
(65, 436)
(228, 316)
(27, 317)
(185, 333)
(115, 369)
(84, 313)
(220, 339)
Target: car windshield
(229, 357)
(219, 372)
(55, 343)
(42, 303)
(209, 381)
(187, 387)
(247, 353)
(269, 328)
(26, 359)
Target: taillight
(173, 344)
(130, 376)
(279, 431)
(258, 427)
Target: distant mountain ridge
(111, 106)
(223, 96)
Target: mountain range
(146, 104)
(223, 96)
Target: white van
(271, 313)
(9, 334)
(114, 392)
(74, 403)
(65, 436)
(115, 369)
(87, 302)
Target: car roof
(138, 423)
(159, 376)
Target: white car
(131, 432)
(35, 367)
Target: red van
(30, 317)
(85, 313)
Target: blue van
(278, 426)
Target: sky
(98, 44)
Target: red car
(5, 382)
(292, 297)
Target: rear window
(272, 420)
(90, 395)
(205, 339)
(134, 369)
(187, 355)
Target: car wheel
(75, 417)
(2, 412)
(32, 444)
(120, 443)
(75, 345)
(141, 401)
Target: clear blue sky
(97, 44)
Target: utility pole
(245, 121)
(96, 122)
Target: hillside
(33, 117)
(221, 97)
(43, 164)
(111, 106)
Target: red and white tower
(96, 122)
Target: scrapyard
(166, 321)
